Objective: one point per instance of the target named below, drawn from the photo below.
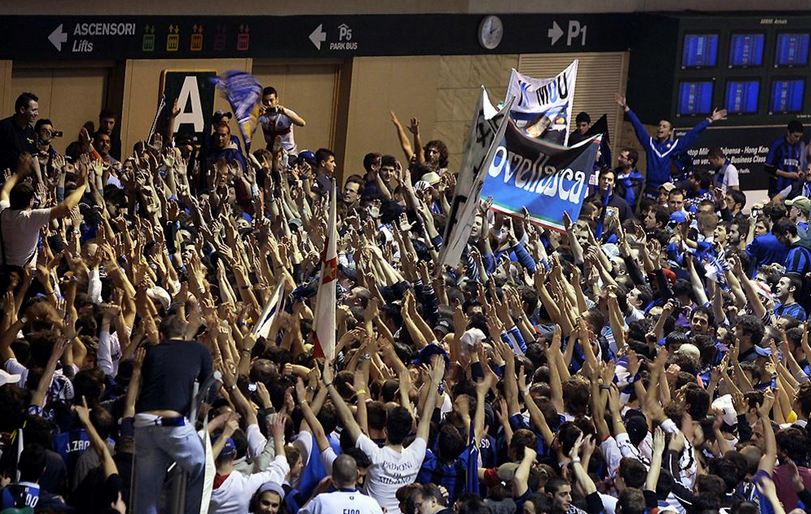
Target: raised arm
(437, 373)
(107, 462)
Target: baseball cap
(230, 448)
(801, 202)
(272, 487)
(8, 378)
(678, 216)
(308, 156)
(668, 186)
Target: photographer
(277, 121)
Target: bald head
(344, 471)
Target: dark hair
(727, 470)
(369, 159)
(20, 197)
(106, 113)
(270, 90)
(450, 443)
(323, 154)
(716, 153)
(631, 501)
(398, 425)
(633, 155)
(751, 326)
(42, 121)
(784, 228)
(737, 197)
(632, 471)
(357, 179)
(793, 442)
(328, 417)
(582, 117)
(441, 148)
(793, 125)
(698, 402)
(23, 100)
(470, 503)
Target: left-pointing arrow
(57, 37)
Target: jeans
(156, 447)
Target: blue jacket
(660, 154)
(766, 249)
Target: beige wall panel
(7, 96)
(141, 88)
(308, 89)
(68, 96)
(406, 85)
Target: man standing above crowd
(784, 160)
(662, 150)
(277, 120)
(17, 131)
(726, 174)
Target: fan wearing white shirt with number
(392, 466)
(346, 498)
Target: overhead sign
(145, 37)
(194, 92)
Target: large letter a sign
(194, 93)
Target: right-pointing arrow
(554, 33)
(318, 36)
(58, 37)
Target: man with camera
(277, 120)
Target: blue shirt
(660, 153)
(798, 260)
(450, 475)
(785, 157)
(790, 309)
(766, 249)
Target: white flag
(543, 107)
(326, 302)
(274, 306)
(486, 132)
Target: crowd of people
(653, 357)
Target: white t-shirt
(21, 233)
(342, 502)
(730, 177)
(390, 470)
(234, 495)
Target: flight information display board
(700, 51)
(787, 96)
(791, 50)
(746, 50)
(742, 96)
(695, 98)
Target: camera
(57, 133)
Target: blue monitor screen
(742, 96)
(700, 50)
(746, 50)
(787, 95)
(695, 98)
(792, 50)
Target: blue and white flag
(543, 107)
(243, 92)
(546, 178)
